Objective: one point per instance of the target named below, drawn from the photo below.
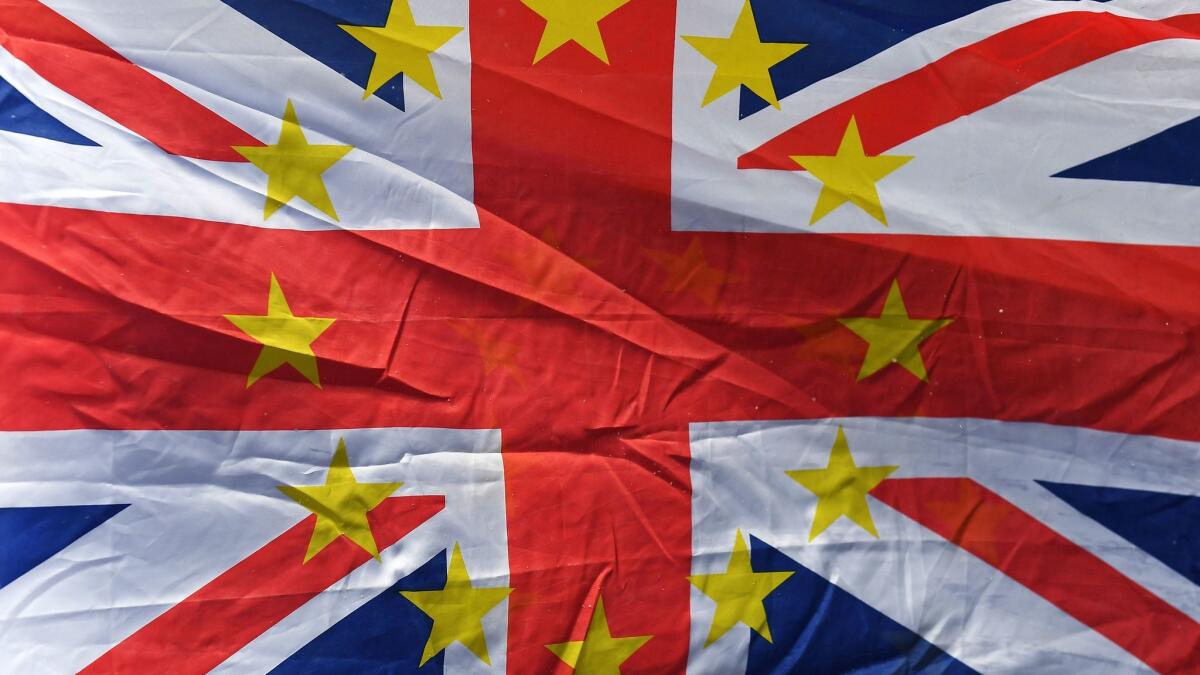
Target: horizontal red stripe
(78, 63)
(116, 321)
(968, 80)
(1070, 577)
(212, 624)
(392, 343)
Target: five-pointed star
(742, 59)
(841, 488)
(598, 653)
(294, 166)
(285, 337)
(894, 336)
(690, 270)
(401, 46)
(739, 592)
(494, 353)
(457, 611)
(575, 21)
(341, 505)
(850, 176)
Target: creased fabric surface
(599, 336)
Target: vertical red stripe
(1071, 578)
(79, 64)
(610, 518)
(580, 149)
(216, 621)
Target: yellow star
(575, 21)
(742, 59)
(286, 338)
(341, 505)
(894, 336)
(494, 353)
(294, 167)
(598, 653)
(457, 611)
(841, 488)
(690, 270)
(739, 592)
(401, 46)
(850, 176)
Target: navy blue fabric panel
(1167, 157)
(1167, 526)
(20, 115)
(840, 34)
(30, 535)
(386, 635)
(312, 26)
(819, 628)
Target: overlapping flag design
(599, 336)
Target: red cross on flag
(599, 336)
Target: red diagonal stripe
(216, 621)
(1042, 560)
(968, 80)
(76, 62)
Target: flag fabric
(599, 336)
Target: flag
(601, 336)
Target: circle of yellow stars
(294, 168)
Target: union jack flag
(599, 336)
